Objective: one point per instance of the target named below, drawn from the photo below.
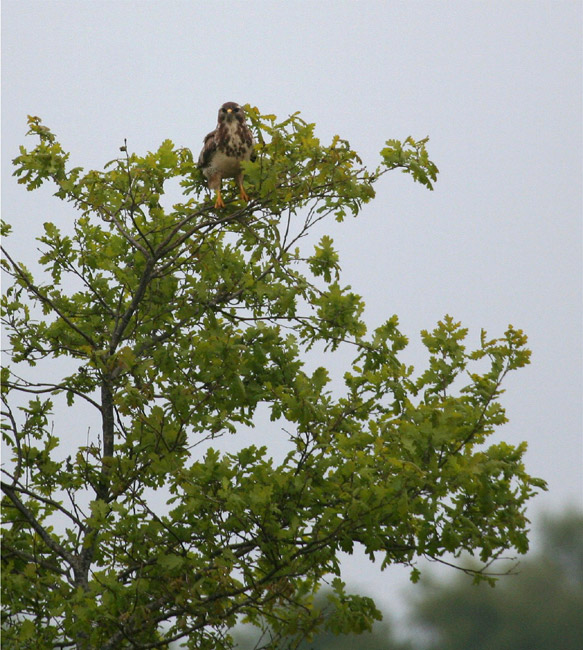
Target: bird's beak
(229, 110)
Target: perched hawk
(224, 148)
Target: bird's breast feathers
(234, 139)
(231, 143)
(226, 165)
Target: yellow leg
(219, 203)
(244, 194)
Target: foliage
(379, 637)
(175, 324)
(538, 607)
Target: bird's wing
(208, 148)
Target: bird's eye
(236, 109)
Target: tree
(177, 324)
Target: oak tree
(171, 324)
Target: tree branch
(46, 300)
(10, 492)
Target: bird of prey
(225, 148)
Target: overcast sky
(495, 85)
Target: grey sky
(496, 86)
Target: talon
(219, 203)
(244, 194)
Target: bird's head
(231, 111)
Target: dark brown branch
(108, 430)
(138, 295)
